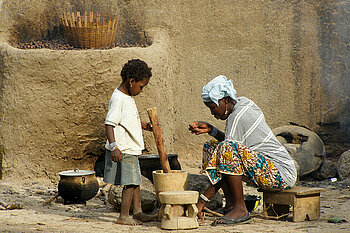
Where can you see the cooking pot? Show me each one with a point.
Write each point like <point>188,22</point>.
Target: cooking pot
<point>77,186</point>
<point>150,163</point>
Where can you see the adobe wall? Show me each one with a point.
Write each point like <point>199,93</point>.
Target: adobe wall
<point>53,103</point>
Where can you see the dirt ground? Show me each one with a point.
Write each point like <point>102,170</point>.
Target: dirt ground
<point>98,217</point>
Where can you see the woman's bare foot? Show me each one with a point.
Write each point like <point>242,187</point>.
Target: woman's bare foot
<point>145,217</point>
<point>236,213</point>
<point>128,221</point>
<point>224,210</point>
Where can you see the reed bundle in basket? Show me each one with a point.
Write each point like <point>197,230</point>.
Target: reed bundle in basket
<point>89,30</point>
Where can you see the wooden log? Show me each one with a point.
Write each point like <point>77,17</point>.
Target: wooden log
<point>213,212</point>
<point>157,132</point>
<point>51,199</point>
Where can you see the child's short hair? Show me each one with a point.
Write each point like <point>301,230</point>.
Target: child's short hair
<point>136,69</point>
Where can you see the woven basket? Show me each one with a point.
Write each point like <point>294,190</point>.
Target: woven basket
<point>89,30</point>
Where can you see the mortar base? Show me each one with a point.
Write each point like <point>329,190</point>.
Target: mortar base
<point>179,223</point>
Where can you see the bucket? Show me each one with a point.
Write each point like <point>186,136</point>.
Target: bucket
<point>174,180</point>
<point>251,202</point>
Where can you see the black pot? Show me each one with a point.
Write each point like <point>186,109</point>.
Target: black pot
<point>150,163</point>
<point>77,186</point>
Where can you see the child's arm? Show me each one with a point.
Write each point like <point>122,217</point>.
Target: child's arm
<point>116,154</point>
<point>146,126</point>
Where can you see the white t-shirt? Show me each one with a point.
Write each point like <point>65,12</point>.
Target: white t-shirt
<point>247,125</point>
<point>123,115</point>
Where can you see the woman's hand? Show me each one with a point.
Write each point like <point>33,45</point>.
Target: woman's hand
<point>200,127</point>
<point>116,155</point>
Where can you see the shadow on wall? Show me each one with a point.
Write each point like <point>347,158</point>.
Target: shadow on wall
<point>1,96</point>
<point>36,20</point>
<point>334,50</point>
<point>1,157</point>
<point>131,25</point>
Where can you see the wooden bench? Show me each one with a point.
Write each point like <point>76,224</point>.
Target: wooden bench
<point>303,202</point>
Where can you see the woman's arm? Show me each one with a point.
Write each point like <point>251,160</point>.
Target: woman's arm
<point>219,135</point>
<point>200,127</point>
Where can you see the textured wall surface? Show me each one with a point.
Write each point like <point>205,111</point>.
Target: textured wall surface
<point>290,57</point>
<point>53,104</point>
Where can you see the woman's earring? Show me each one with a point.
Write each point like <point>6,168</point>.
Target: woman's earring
<point>226,110</point>
<point>130,84</point>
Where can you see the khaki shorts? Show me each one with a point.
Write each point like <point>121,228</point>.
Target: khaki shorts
<point>126,172</point>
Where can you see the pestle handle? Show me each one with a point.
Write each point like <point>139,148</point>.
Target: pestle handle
<point>157,132</point>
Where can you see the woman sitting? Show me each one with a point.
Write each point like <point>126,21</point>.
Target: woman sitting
<point>247,150</point>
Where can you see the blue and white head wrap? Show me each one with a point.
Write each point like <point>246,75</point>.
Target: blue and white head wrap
<point>217,89</point>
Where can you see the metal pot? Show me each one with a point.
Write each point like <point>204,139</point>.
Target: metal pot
<point>77,186</point>
<point>150,163</point>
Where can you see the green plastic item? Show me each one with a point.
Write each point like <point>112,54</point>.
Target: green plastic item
<point>337,219</point>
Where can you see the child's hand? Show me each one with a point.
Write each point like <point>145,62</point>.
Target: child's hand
<point>199,127</point>
<point>147,126</point>
<point>116,155</point>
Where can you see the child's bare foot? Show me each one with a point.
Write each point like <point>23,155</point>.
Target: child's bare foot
<point>128,221</point>
<point>145,217</point>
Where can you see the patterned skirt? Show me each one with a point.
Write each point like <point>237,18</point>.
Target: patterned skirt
<point>233,158</point>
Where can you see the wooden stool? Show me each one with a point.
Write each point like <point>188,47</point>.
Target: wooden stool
<point>171,218</point>
<point>305,203</point>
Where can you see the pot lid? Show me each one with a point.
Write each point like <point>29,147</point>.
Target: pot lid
<point>76,172</point>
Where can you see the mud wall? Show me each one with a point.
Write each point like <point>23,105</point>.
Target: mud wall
<point>53,104</point>
<point>276,52</point>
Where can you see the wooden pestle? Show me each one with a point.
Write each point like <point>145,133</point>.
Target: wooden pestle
<point>157,132</point>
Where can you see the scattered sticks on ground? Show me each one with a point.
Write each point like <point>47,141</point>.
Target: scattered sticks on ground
<point>6,206</point>
<point>51,199</point>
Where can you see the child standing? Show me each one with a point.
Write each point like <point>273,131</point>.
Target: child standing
<point>125,141</point>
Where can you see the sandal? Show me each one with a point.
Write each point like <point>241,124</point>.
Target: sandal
<point>229,221</point>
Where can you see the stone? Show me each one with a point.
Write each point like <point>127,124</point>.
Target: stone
<point>148,197</point>
<point>327,170</point>
<point>343,166</point>
<point>200,183</point>
<point>308,149</point>
<point>292,148</point>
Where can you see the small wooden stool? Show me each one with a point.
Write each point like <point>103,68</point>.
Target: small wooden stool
<point>171,218</point>
<point>305,203</point>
